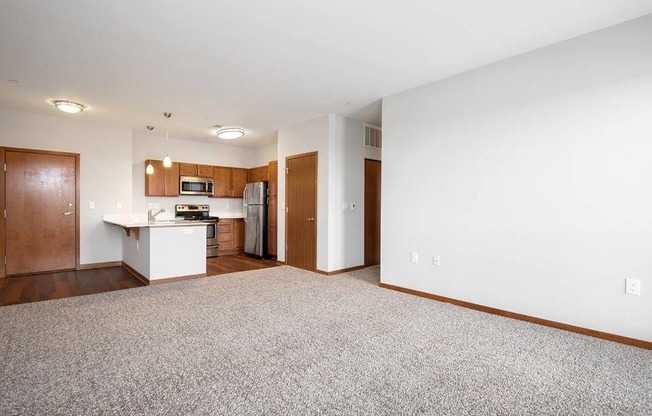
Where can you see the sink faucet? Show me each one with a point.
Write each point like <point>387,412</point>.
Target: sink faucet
<point>152,213</point>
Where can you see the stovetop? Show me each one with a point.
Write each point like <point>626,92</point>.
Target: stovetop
<point>194,213</point>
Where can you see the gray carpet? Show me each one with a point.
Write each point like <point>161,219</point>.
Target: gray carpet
<point>288,342</point>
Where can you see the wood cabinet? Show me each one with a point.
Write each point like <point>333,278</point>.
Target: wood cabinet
<point>231,236</point>
<point>258,174</point>
<point>272,208</point>
<point>191,169</point>
<point>238,234</point>
<point>225,235</point>
<point>239,181</point>
<point>229,182</point>
<point>164,181</point>
<point>272,178</point>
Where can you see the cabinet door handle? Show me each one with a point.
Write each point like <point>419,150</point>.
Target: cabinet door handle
<point>310,219</point>
<point>68,213</point>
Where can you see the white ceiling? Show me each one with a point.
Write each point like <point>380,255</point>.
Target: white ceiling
<point>263,65</point>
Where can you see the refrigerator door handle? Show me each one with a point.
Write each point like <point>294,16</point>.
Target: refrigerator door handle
<point>244,204</point>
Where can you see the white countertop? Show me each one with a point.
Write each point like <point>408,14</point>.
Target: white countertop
<point>140,221</point>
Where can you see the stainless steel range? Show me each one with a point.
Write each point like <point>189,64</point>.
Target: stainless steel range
<point>201,213</point>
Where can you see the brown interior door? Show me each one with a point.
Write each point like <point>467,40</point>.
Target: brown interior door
<point>301,217</point>
<point>41,217</point>
<point>371,212</point>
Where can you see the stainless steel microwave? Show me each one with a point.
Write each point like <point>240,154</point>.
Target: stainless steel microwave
<point>193,185</point>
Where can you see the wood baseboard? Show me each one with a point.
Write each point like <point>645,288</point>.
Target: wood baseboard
<point>160,281</point>
<point>566,327</point>
<point>89,266</point>
<point>349,269</point>
<point>135,273</point>
<point>176,279</point>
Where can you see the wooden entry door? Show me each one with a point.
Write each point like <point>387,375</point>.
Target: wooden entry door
<point>301,214</point>
<point>371,212</point>
<point>41,225</point>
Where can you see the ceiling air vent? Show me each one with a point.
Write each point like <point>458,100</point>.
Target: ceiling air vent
<point>373,136</point>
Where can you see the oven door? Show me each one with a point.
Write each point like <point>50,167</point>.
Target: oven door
<point>212,245</point>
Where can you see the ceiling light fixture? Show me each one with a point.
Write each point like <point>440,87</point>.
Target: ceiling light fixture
<point>167,162</point>
<point>150,169</point>
<point>230,133</point>
<point>69,106</point>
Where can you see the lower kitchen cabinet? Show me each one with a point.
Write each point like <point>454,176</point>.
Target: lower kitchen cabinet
<point>231,236</point>
<point>238,234</point>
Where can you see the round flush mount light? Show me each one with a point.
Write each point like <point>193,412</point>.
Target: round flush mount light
<point>230,133</point>
<point>69,106</point>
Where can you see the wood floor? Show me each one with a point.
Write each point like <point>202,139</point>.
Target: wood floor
<point>37,287</point>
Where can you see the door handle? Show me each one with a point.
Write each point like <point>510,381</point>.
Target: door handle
<point>310,219</point>
<point>68,213</point>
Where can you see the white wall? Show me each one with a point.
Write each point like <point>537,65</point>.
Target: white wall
<point>147,146</point>
<point>263,155</point>
<point>531,178</point>
<point>105,157</point>
<point>346,187</point>
<point>341,153</point>
<point>309,136</point>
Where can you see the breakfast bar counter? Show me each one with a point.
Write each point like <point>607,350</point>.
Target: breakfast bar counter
<point>159,251</point>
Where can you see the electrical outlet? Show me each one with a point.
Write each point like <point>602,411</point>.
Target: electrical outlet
<point>436,261</point>
<point>633,287</point>
<point>414,257</point>
<point>118,205</point>
<point>91,205</point>
<point>150,205</point>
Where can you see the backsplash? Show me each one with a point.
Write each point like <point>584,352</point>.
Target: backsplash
<point>218,205</point>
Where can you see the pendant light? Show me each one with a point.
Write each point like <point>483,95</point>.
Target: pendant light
<point>167,162</point>
<point>150,169</point>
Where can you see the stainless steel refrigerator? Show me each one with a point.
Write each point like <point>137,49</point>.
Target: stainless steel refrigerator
<point>255,218</point>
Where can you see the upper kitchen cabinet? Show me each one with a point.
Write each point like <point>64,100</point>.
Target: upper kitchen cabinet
<point>164,181</point>
<point>258,174</point>
<point>239,182</point>
<point>272,178</point>
<point>191,169</point>
<point>229,182</point>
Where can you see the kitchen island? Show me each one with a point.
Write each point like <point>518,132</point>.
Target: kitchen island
<point>160,251</point>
